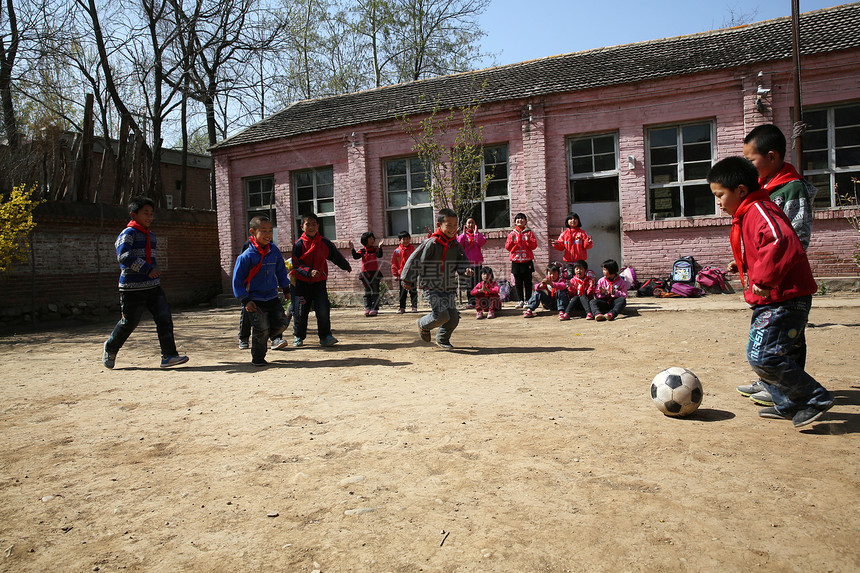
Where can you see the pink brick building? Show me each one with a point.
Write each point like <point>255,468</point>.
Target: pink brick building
<point>623,136</point>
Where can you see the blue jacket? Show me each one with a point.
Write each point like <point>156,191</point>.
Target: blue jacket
<point>264,285</point>
<point>131,254</point>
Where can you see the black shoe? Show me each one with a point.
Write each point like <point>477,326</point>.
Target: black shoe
<point>444,345</point>
<point>424,334</point>
<point>771,414</point>
<point>260,362</point>
<point>806,416</point>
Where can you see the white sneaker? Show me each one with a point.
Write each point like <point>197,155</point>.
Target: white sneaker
<point>520,304</point>
<point>279,343</point>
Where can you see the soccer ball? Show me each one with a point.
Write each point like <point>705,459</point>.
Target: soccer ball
<point>676,391</point>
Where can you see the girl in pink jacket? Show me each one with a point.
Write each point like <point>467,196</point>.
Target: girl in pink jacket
<point>574,242</point>
<point>472,241</point>
<point>521,244</point>
<point>486,295</point>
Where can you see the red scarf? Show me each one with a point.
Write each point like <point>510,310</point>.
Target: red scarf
<point>314,243</point>
<point>263,252</point>
<point>785,175</point>
<point>443,240</point>
<point>735,236</point>
<point>470,237</point>
<point>138,227</point>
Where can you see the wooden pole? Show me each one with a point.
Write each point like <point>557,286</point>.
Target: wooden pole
<point>796,131</point>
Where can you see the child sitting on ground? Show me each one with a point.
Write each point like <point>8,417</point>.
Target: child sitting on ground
<point>370,275</point>
<point>257,275</point>
<point>398,260</point>
<point>551,292</point>
<point>580,290</point>
<point>486,294</point>
<point>610,298</point>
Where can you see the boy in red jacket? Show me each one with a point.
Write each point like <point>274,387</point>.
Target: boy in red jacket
<point>778,286</point>
<point>398,261</point>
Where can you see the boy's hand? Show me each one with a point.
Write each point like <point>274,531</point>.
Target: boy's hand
<point>732,267</point>
<point>315,273</point>
<point>406,285</point>
<point>553,242</point>
<point>351,245</point>
<point>379,244</point>
<point>251,307</point>
<point>761,291</point>
<point>154,274</point>
<point>469,272</point>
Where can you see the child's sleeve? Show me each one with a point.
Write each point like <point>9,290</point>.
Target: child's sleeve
<point>336,257</point>
<point>620,288</point>
<point>124,245</point>
<point>510,243</point>
<point>298,266</point>
<point>477,289</point>
<point>414,264</point>
<point>531,241</point>
<point>240,273</point>
<point>494,288</point>
<point>281,272</point>
<point>395,263</point>
<point>778,249</point>
<point>480,239</point>
<point>355,254</point>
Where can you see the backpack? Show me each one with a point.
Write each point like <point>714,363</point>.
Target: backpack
<point>629,275</point>
<point>647,288</point>
<point>684,271</point>
<point>686,290</point>
<point>504,290</point>
<point>712,277</point>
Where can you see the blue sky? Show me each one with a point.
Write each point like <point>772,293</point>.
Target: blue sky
<point>527,29</point>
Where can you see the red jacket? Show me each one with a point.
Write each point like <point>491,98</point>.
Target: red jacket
<point>574,242</point>
<point>521,245</point>
<point>369,259</point>
<point>773,256</point>
<point>582,286</point>
<point>490,289</point>
<point>398,259</point>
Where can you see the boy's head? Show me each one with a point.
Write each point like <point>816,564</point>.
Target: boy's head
<point>573,221</point>
<point>765,147</point>
<point>446,221</point>
<point>141,210</point>
<point>260,227</point>
<point>610,268</point>
<point>487,274</point>
<point>553,272</point>
<point>520,220</point>
<point>366,237</point>
<point>580,267</point>
<point>405,238</point>
<point>310,224</point>
<point>732,179</point>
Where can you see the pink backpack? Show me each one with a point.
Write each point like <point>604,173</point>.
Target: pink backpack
<point>712,277</point>
<point>686,290</point>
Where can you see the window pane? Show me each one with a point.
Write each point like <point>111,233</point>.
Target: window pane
<point>817,119</point>
<point>497,154</point>
<point>304,179</point>
<point>579,147</point>
<point>698,200</point>
<point>304,193</point>
<point>420,197</point>
<point>663,137</point>
<point>693,171</point>
<point>848,157</point>
<point>697,152</point>
<point>325,191</point>
<point>418,180</point>
<point>696,133</point>
<point>848,189</point>
<point>664,156</point>
<point>497,188</point>
<point>421,218</point>
<point>324,177</point>
<point>665,203</point>
<point>846,115</point>
<point>327,228</point>
<point>305,207</point>
<point>822,198</point>
<point>325,206</point>
<point>498,171</point>
<point>398,199</point>
<point>582,164</point>
<point>815,159</point>
<point>595,190</point>
<point>498,214</point>
<point>254,200</point>
<point>605,144</point>
<point>395,167</point>
<point>397,221</point>
<point>664,174</point>
<point>397,183</point>
<point>814,140</point>
<point>604,162</point>
<point>846,136</point>
<point>270,213</point>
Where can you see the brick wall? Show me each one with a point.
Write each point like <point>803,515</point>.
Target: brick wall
<point>75,260</point>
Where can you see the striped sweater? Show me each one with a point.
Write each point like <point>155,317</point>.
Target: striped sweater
<point>131,254</point>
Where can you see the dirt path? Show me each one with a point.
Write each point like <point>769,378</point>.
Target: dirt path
<point>533,447</point>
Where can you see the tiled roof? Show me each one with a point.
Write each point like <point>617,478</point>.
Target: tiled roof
<point>826,30</point>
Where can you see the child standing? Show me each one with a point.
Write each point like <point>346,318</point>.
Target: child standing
<point>140,286</point>
<point>398,260</point>
<point>435,263</point>
<point>370,275</point>
<point>551,292</point>
<point>574,242</point>
<point>278,343</point>
<point>580,290</point>
<point>472,241</point>
<point>486,294</point>
<point>610,297</point>
<point>310,255</point>
<point>257,275</point>
<point>778,286</point>
<point>521,244</point>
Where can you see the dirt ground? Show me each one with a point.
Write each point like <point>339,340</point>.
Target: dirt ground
<point>532,447</point>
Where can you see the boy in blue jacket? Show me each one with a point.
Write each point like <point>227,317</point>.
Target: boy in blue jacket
<point>258,273</point>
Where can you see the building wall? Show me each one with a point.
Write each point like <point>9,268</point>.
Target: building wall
<point>536,132</point>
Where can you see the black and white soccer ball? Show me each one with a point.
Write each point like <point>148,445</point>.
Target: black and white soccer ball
<point>676,391</point>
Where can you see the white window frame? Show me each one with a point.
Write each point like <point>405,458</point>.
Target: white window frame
<point>588,175</point>
<point>680,181</point>
<point>328,230</point>
<point>410,207</point>
<point>815,176</point>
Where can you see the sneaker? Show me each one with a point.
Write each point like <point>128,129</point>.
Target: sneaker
<point>561,315</point>
<point>479,314</point>
<point>414,309</point>
<point>244,345</point>
<point>491,314</point>
<point>599,317</point>
<point>589,316</point>
<point>373,312</point>
<point>527,313</point>
<point>771,414</point>
<point>806,416</point>
<point>279,343</point>
<point>108,358</point>
<point>298,341</point>
<point>328,341</point>
<point>748,390</point>
<point>173,361</point>
<point>609,316</point>
<point>401,310</point>
<point>260,362</point>
<point>366,312</point>
<point>762,398</point>
<point>520,304</point>
<point>424,334</point>
<point>444,345</point>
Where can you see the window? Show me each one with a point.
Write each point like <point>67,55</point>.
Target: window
<point>494,212</point>
<point>260,200</point>
<point>831,153</point>
<point>679,158</point>
<point>407,202</point>
<point>592,165</point>
<point>314,193</point>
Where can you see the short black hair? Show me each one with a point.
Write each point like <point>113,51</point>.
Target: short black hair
<point>573,215</point>
<point>611,265</point>
<point>444,214</point>
<point>520,216</point>
<point>732,172</point>
<point>365,236</point>
<point>767,137</point>
<point>404,235</point>
<point>553,267</point>
<point>581,264</point>
<point>489,271</point>
<point>257,221</point>
<point>310,216</point>
<point>136,203</point>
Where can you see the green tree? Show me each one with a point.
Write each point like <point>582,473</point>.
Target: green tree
<point>16,222</point>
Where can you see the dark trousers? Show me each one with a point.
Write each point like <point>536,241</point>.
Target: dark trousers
<point>613,305</point>
<point>309,295</point>
<point>413,295</point>
<point>371,281</point>
<point>245,324</point>
<point>269,321</point>
<point>523,283</point>
<point>133,303</point>
<point>581,303</point>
